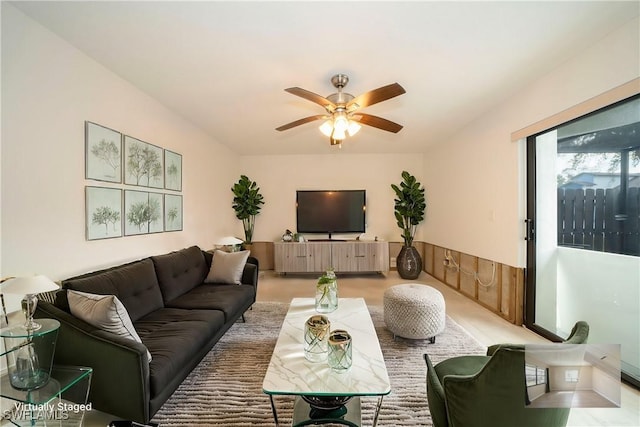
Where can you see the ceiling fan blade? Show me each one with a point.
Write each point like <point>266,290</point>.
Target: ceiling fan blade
<point>378,122</point>
<point>301,122</point>
<point>374,96</point>
<point>313,97</point>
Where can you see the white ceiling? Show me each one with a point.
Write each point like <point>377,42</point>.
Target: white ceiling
<point>224,65</point>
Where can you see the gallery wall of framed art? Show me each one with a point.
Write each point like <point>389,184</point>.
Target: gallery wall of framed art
<point>137,188</point>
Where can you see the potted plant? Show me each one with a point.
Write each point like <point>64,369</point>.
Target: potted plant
<point>410,205</point>
<point>246,202</point>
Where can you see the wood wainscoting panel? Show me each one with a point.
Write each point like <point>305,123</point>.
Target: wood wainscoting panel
<point>468,283</point>
<point>507,303</point>
<point>427,260</point>
<point>452,275</point>
<point>394,250</point>
<point>488,295</point>
<point>505,293</point>
<point>519,299</point>
<point>438,263</point>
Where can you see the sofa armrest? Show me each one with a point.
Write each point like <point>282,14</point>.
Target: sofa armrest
<point>250,272</point>
<point>493,348</point>
<point>435,396</point>
<point>120,380</point>
<point>579,334</point>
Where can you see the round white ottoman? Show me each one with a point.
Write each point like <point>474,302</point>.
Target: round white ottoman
<point>414,311</point>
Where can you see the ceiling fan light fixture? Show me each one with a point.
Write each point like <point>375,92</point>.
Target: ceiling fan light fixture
<point>326,128</point>
<point>353,128</point>
<point>340,123</point>
<point>338,134</point>
<point>340,119</point>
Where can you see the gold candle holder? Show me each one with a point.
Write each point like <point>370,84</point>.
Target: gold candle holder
<point>316,337</point>
<point>340,353</point>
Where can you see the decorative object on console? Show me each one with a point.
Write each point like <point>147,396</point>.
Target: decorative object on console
<point>30,287</point>
<point>410,205</point>
<point>287,236</point>
<point>327,292</point>
<point>247,202</point>
<point>316,338</point>
<point>342,117</point>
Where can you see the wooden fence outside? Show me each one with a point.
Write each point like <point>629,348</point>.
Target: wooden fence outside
<point>599,220</point>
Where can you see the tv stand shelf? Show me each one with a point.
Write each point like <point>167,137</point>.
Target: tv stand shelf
<point>343,256</point>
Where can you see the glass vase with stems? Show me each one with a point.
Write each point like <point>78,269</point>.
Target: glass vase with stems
<point>327,292</point>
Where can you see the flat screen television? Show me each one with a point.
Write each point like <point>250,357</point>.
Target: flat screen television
<point>327,212</point>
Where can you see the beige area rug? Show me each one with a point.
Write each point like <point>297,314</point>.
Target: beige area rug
<point>226,388</point>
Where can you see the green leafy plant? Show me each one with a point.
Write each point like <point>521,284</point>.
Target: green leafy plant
<point>410,205</point>
<point>247,202</point>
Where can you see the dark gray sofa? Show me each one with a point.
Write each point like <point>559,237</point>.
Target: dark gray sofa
<point>177,316</point>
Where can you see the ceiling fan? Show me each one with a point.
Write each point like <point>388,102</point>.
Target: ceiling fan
<point>342,116</point>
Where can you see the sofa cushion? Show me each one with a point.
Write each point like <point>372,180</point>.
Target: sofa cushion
<point>180,271</point>
<point>135,284</point>
<point>105,312</point>
<point>232,300</point>
<point>227,267</point>
<point>174,336</point>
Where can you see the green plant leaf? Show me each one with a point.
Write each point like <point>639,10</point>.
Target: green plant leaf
<point>247,202</point>
<point>409,206</point>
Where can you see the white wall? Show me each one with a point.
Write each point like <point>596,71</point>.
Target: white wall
<point>547,232</point>
<point>607,386</point>
<point>280,176</point>
<point>593,285</point>
<point>48,90</point>
<point>557,378</point>
<point>474,179</point>
<point>535,391</point>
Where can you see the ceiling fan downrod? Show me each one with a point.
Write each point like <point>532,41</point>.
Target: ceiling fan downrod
<point>339,81</point>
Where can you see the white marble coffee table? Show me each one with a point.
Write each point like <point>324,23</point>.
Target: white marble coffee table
<point>289,373</point>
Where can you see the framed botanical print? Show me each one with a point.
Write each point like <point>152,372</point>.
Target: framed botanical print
<point>103,153</point>
<point>143,163</point>
<point>172,212</point>
<point>103,212</point>
<point>172,171</point>
<point>143,212</point>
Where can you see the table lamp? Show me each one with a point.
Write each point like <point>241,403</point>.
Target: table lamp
<point>29,286</point>
<point>231,242</point>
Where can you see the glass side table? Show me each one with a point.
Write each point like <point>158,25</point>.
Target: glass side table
<point>29,353</point>
<point>61,401</point>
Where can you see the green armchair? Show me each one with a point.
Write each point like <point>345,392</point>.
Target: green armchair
<point>490,391</point>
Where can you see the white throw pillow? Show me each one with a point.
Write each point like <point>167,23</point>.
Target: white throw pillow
<point>227,267</point>
<point>105,312</point>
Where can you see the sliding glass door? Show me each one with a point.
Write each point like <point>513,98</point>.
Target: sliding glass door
<point>583,259</point>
